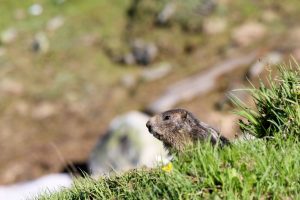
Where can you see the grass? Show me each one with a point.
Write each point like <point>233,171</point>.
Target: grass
<point>255,169</point>
<point>277,106</point>
<point>249,170</point>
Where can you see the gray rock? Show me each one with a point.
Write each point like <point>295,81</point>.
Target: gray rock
<point>272,58</point>
<point>35,9</point>
<point>128,59</point>
<point>9,35</point>
<point>31,189</point>
<point>157,72</point>
<point>166,14</point>
<point>126,145</point>
<point>144,53</point>
<point>55,23</point>
<point>206,7</point>
<point>128,81</point>
<point>40,43</point>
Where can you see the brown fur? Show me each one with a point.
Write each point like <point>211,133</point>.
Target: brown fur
<point>178,128</point>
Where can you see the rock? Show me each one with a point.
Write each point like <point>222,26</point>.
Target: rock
<point>198,84</point>
<point>43,111</point>
<point>35,9</point>
<point>126,145</point>
<point>9,35</point>
<point>166,14</point>
<point>128,81</point>
<point>11,87</point>
<point>212,26</point>
<point>157,72</point>
<point>273,58</point>
<point>31,189</point>
<point>128,59</point>
<point>40,43</point>
<point>206,7</point>
<point>144,53</point>
<point>248,33</point>
<point>55,23</point>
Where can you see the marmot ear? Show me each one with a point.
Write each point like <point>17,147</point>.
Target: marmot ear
<point>184,115</point>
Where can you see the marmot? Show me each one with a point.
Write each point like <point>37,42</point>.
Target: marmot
<point>177,128</point>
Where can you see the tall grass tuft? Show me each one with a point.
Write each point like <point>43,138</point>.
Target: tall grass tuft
<point>277,109</point>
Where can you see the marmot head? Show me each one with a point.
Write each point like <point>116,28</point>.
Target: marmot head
<point>172,127</point>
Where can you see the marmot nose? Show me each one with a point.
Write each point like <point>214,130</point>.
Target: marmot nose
<point>149,126</point>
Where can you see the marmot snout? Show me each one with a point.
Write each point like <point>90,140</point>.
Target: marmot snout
<point>177,128</point>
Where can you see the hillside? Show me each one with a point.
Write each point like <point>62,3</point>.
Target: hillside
<point>263,168</point>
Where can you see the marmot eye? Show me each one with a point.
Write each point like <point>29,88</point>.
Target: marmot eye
<point>167,117</point>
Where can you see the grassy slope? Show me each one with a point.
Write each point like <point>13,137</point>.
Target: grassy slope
<point>245,170</point>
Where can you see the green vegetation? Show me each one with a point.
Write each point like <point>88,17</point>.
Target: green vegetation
<point>256,169</point>
<point>248,170</point>
<point>277,106</point>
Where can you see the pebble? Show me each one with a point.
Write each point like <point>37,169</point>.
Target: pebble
<point>248,33</point>
<point>11,87</point>
<point>55,23</point>
<point>166,14</point>
<point>272,58</point>
<point>212,26</point>
<point>40,43</point>
<point>35,9</point>
<point>144,53</point>
<point>43,111</point>
<point>157,72</point>
<point>9,35</point>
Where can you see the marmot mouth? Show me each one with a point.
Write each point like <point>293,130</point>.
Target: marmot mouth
<point>156,135</point>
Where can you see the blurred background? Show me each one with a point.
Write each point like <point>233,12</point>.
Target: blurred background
<point>68,67</point>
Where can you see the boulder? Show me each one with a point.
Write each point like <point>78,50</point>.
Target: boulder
<point>126,145</point>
